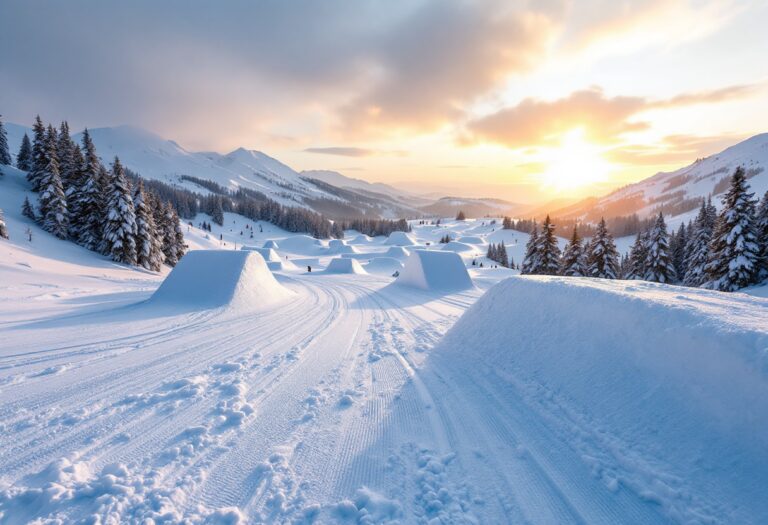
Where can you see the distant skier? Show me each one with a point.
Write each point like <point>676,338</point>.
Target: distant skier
<point>309,269</point>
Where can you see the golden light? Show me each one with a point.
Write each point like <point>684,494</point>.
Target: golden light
<point>575,164</point>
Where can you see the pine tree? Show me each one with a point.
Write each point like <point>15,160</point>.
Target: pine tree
<point>120,222</point>
<point>24,157</point>
<point>507,223</point>
<point>460,216</point>
<point>573,257</point>
<point>5,154</point>
<point>149,252</point>
<point>53,203</point>
<point>733,251</point>
<point>173,237</point>
<point>502,254</point>
<point>27,210</point>
<point>638,254</point>
<point>761,225</point>
<point>659,266</point>
<point>70,160</point>
<point>677,243</point>
<point>602,257</point>
<point>3,227</point>
<point>530,260</point>
<point>548,252</point>
<point>87,201</point>
<point>39,155</point>
<point>697,248</point>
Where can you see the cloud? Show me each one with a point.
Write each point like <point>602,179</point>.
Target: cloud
<point>602,119</point>
<point>357,152</point>
<point>671,150</point>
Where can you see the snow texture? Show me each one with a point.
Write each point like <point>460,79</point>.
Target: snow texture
<point>435,271</point>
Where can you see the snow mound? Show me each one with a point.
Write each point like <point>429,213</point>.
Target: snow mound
<point>269,254</point>
<point>271,244</point>
<point>661,390</point>
<point>361,239</point>
<point>472,239</point>
<point>281,265</point>
<point>398,252</point>
<point>303,244</point>
<point>345,265</point>
<point>458,247</point>
<point>206,279</point>
<point>339,246</point>
<point>384,265</point>
<point>435,271</point>
<point>400,239</point>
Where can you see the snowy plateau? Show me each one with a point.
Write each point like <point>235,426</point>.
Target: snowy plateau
<point>395,382</point>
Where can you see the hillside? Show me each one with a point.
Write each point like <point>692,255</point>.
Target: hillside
<point>679,192</point>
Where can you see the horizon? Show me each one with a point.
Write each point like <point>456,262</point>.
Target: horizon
<point>528,104</point>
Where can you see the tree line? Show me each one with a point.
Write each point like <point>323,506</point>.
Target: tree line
<point>79,199</point>
<point>724,251</point>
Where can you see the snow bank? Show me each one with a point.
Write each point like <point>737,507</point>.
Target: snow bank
<point>435,271</point>
<point>398,252</point>
<point>400,239</point>
<point>660,390</point>
<point>458,247</point>
<point>271,244</point>
<point>303,244</point>
<point>281,265</point>
<point>384,265</point>
<point>269,254</point>
<point>361,239</point>
<point>345,265</point>
<point>472,239</point>
<point>215,278</point>
<point>338,246</point>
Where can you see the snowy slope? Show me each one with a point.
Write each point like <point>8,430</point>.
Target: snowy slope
<point>675,189</point>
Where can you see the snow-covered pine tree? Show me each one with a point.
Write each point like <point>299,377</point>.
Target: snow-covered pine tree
<point>173,237</point>
<point>572,264</point>
<point>638,254</point>
<point>24,157</point>
<point>120,222</point>
<point>733,251</point>
<point>761,225</point>
<point>87,197</point>
<point>548,252</point>
<point>5,154</point>
<point>54,216</point>
<point>506,223</point>
<point>149,252</point>
<point>602,257</point>
<point>3,227</point>
<point>677,245</point>
<point>502,254</point>
<point>659,265</point>
<point>530,260</point>
<point>697,248</point>
<point>39,156</point>
<point>491,253</point>
<point>711,213</point>
<point>27,210</point>
<point>69,160</point>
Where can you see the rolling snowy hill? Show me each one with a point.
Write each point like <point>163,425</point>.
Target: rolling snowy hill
<point>679,192</point>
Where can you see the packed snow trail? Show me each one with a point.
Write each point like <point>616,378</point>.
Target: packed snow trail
<point>328,407</point>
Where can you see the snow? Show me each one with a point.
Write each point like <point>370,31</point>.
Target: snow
<point>661,391</point>
<point>271,244</point>
<point>400,239</point>
<point>397,252</point>
<point>435,271</point>
<point>339,246</point>
<point>472,239</point>
<point>303,244</point>
<point>384,265</point>
<point>361,239</point>
<point>345,265</point>
<point>459,247</point>
<point>268,254</point>
<point>206,279</point>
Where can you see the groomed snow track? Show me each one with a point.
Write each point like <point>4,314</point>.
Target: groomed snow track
<point>332,408</point>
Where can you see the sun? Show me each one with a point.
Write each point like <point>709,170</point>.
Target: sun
<point>574,164</point>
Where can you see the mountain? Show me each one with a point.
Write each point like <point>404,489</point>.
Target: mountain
<point>450,206</point>
<point>342,181</point>
<point>679,192</point>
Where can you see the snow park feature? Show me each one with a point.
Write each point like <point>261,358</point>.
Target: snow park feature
<point>361,239</point>
<point>398,252</point>
<point>400,239</point>
<point>384,266</point>
<point>206,279</point>
<point>435,271</point>
<point>281,266</point>
<point>472,239</point>
<point>338,246</point>
<point>303,244</point>
<point>270,244</point>
<point>341,265</point>
<point>459,247</point>
<point>660,392</point>
<point>269,254</point>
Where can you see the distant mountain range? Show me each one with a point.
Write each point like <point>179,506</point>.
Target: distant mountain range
<point>337,195</point>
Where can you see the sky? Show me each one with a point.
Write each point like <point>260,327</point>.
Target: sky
<point>524,100</point>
